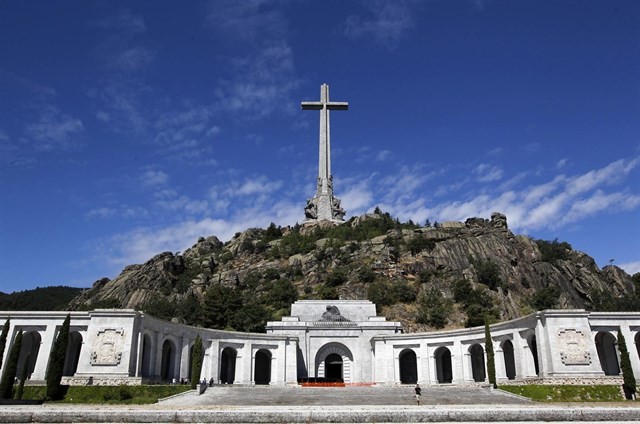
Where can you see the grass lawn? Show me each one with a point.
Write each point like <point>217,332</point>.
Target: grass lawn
<point>544,393</point>
<point>109,394</point>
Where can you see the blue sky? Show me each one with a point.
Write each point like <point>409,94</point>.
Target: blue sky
<point>132,128</point>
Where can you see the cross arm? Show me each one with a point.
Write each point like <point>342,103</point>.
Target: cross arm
<point>311,105</point>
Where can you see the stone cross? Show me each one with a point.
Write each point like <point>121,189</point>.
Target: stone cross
<point>324,206</point>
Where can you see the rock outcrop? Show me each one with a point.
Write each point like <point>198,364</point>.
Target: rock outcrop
<point>369,249</point>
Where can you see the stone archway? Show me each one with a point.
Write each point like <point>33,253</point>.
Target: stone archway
<point>73,353</point>
<point>476,354</point>
<point>334,358</point>
<point>607,353</point>
<point>30,348</point>
<point>167,369</point>
<point>228,365</point>
<point>262,367</point>
<point>637,340</point>
<point>444,373</point>
<point>509,359</point>
<point>408,367</point>
<point>147,348</point>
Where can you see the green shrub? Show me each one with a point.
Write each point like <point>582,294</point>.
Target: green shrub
<point>336,278</point>
<point>366,275</point>
<point>546,298</point>
<point>433,309</point>
<point>420,243</point>
<point>488,273</point>
<point>553,251</point>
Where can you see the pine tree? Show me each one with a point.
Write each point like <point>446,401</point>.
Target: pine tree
<point>56,361</point>
<point>196,362</point>
<point>9,373</point>
<point>629,381</point>
<point>3,339</point>
<point>491,364</point>
<point>23,377</point>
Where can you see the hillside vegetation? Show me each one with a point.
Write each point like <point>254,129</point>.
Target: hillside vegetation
<point>434,276</point>
<point>54,298</point>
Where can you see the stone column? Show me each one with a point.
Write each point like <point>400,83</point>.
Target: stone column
<point>501,368</point>
<point>424,367</point>
<point>47,338</point>
<point>457,366</point>
<point>157,356</point>
<point>542,346</point>
<point>518,355</point>
<point>184,358</point>
<point>140,353</point>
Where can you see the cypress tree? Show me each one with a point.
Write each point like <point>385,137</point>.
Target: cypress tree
<point>629,381</point>
<point>491,364</point>
<point>3,339</point>
<point>23,377</point>
<point>56,361</point>
<point>9,373</point>
<point>196,362</point>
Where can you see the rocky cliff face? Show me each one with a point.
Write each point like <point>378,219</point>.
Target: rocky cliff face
<point>399,266</point>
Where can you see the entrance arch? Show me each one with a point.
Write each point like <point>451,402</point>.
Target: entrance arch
<point>228,365</point>
<point>73,353</point>
<point>476,353</point>
<point>443,365</point>
<point>147,348</point>
<point>167,370</point>
<point>29,349</point>
<point>262,369</point>
<point>334,360</point>
<point>509,359</point>
<point>607,352</point>
<point>408,367</point>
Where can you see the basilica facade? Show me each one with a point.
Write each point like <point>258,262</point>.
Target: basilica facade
<point>341,340</point>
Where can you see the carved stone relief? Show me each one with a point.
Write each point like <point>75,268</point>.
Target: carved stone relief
<point>107,347</point>
<point>573,347</point>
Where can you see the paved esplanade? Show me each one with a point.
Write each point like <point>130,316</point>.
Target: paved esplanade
<point>255,404</point>
<point>324,206</point>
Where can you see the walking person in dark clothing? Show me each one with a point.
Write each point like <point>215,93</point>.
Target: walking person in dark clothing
<point>418,393</point>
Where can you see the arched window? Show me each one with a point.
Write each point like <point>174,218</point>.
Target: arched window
<point>509,359</point>
<point>228,365</point>
<point>443,365</point>
<point>262,372</point>
<point>607,352</point>
<point>408,367</point>
<point>477,363</point>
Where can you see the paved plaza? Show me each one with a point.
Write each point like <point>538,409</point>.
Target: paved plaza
<point>245,404</point>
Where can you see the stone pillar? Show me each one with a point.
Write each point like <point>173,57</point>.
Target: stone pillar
<point>47,338</point>
<point>290,361</point>
<point>157,356</point>
<point>519,355</point>
<point>214,358</point>
<point>466,366</point>
<point>424,368</point>
<point>501,368</point>
<point>457,366</point>
<point>542,347</point>
<point>184,358</point>
<point>140,352</point>
<point>243,365</point>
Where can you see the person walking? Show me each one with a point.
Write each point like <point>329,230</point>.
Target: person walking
<point>418,393</point>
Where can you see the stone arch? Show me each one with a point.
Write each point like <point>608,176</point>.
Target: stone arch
<point>408,367</point>
<point>607,353</point>
<point>509,359</point>
<point>476,355</point>
<point>30,348</point>
<point>533,348</point>
<point>444,372</point>
<point>637,341</point>
<point>73,353</point>
<point>147,349</point>
<point>168,361</point>
<point>228,365</point>
<point>340,354</point>
<point>262,367</point>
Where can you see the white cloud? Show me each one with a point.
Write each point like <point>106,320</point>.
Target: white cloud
<point>486,173</point>
<point>388,23</point>
<point>247,20</point>
<point>154,178</point>
<point>631,267</point>
<point>54,130</point>
<point>250,187</point>
<point>127,212</point>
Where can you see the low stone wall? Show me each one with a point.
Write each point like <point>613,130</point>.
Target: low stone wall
<point>102,381</point>
<point>572,381</point>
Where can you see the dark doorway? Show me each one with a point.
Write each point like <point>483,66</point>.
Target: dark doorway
<point>408,367</point>
<point>509,360</point>
<point>168,352</point>
<point>607,352</point>
<point>145,369</point>
<point>29,350</point>
<point>263,367</point>
<point>477,363</point>
<point>228,366</point>
<point>443,365</point>
<point>73,353</point>
<point>333,366</point>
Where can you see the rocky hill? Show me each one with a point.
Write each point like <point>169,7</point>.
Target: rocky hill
<point>442,276</point>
